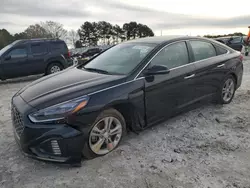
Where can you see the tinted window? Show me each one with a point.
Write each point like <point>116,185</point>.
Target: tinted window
<point>121,59</point>
<point>18,53</point>
<point>202,50</point>
<point>172,56</point>
<point>38,49</point>
<point>58,46</point>
<point>95,50</point>
<point>236,40</point>
<point>220,50</point>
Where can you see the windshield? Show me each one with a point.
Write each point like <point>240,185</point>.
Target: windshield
<point>5,49</point>
<point>120,59</point>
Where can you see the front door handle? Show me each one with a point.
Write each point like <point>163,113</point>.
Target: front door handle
<point>188,77</point>
<point>222,65</point>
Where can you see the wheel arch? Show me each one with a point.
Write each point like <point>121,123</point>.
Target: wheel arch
<point>51,62</point>
<point>129,112</point>
<point>234,76</point>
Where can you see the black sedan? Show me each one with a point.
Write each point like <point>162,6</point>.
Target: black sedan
<point>87,110</point>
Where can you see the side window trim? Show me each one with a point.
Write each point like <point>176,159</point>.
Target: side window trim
<point>147,64</point>
<point>190,53</point>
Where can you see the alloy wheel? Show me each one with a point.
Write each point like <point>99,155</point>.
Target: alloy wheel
<point>105,135</point>
<point>228,90</point>
<point>55,69</point>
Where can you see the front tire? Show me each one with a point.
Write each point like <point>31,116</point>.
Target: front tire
<point>227,90</point>
<point>105,134</point>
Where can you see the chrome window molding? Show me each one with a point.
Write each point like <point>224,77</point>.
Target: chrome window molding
<point>139,78</point>
<point>136,77</point>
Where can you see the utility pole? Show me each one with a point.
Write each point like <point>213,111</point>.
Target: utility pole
<point>161,32</point>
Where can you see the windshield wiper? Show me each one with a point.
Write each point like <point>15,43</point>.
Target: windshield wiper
<point>96,70</point>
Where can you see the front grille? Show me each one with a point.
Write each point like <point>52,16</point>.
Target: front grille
<point>17,121</point>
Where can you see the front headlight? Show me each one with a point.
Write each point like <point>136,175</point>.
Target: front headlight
<point>59,111</point>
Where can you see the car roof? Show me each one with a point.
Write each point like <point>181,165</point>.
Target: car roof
<point>38,40</point>
<point>162,39</point>
<point>228,37</point>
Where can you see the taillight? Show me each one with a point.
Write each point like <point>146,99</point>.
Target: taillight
<point>241,57</point>
<point>68,53</point>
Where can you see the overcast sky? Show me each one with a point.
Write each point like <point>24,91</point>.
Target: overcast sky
<point>192,17</point>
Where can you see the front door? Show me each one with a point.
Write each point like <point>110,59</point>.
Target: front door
<point>15,62</point>
<point>169,93</point>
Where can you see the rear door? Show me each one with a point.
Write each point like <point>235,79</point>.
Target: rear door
<point>15,62</point>
<point>209,67</point>
<point>166,94</point>
<point>36,59</point>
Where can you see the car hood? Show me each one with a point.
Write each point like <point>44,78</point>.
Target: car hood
<point>66,85</point>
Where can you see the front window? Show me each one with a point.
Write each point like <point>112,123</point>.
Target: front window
<point>172,56</point>
<point>5,49</point>
<point>120,59</point>
<point>18,53</point>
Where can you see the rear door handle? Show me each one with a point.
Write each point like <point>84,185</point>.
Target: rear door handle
<point>222,65</point>
<point>188,77</point>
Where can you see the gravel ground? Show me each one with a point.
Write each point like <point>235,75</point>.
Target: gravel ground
<point>206,147</point>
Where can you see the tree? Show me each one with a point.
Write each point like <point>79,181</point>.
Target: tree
<point>118,33</point>
<point>127,30</point>
<point>35,31</point>
<point>88,33</point>
<point>19,36</point>
<point>133,28</point>
<point>144,31</point>
<point>54,29</point>
<point>5,38</point>
<point>73,37</point>
<point>78,44</point>
<point>104,31</point>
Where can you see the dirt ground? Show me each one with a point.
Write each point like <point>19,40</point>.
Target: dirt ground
<point>205,148</point>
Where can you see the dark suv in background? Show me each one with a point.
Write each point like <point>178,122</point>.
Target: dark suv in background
<point>91,52</point>
<point>235,42</point>
<point>33,56</point>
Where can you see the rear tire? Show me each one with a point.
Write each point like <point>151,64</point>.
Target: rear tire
<point>109,140</point>
<point>227,90</point>
<point>54,68</point>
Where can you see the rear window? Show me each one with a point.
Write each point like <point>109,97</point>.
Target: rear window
<point>220,50</point>
<point>58,47</point>
<point>236,40</point>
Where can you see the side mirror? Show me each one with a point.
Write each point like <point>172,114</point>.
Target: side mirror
<point>7,58</point>
<point>156,69</point>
